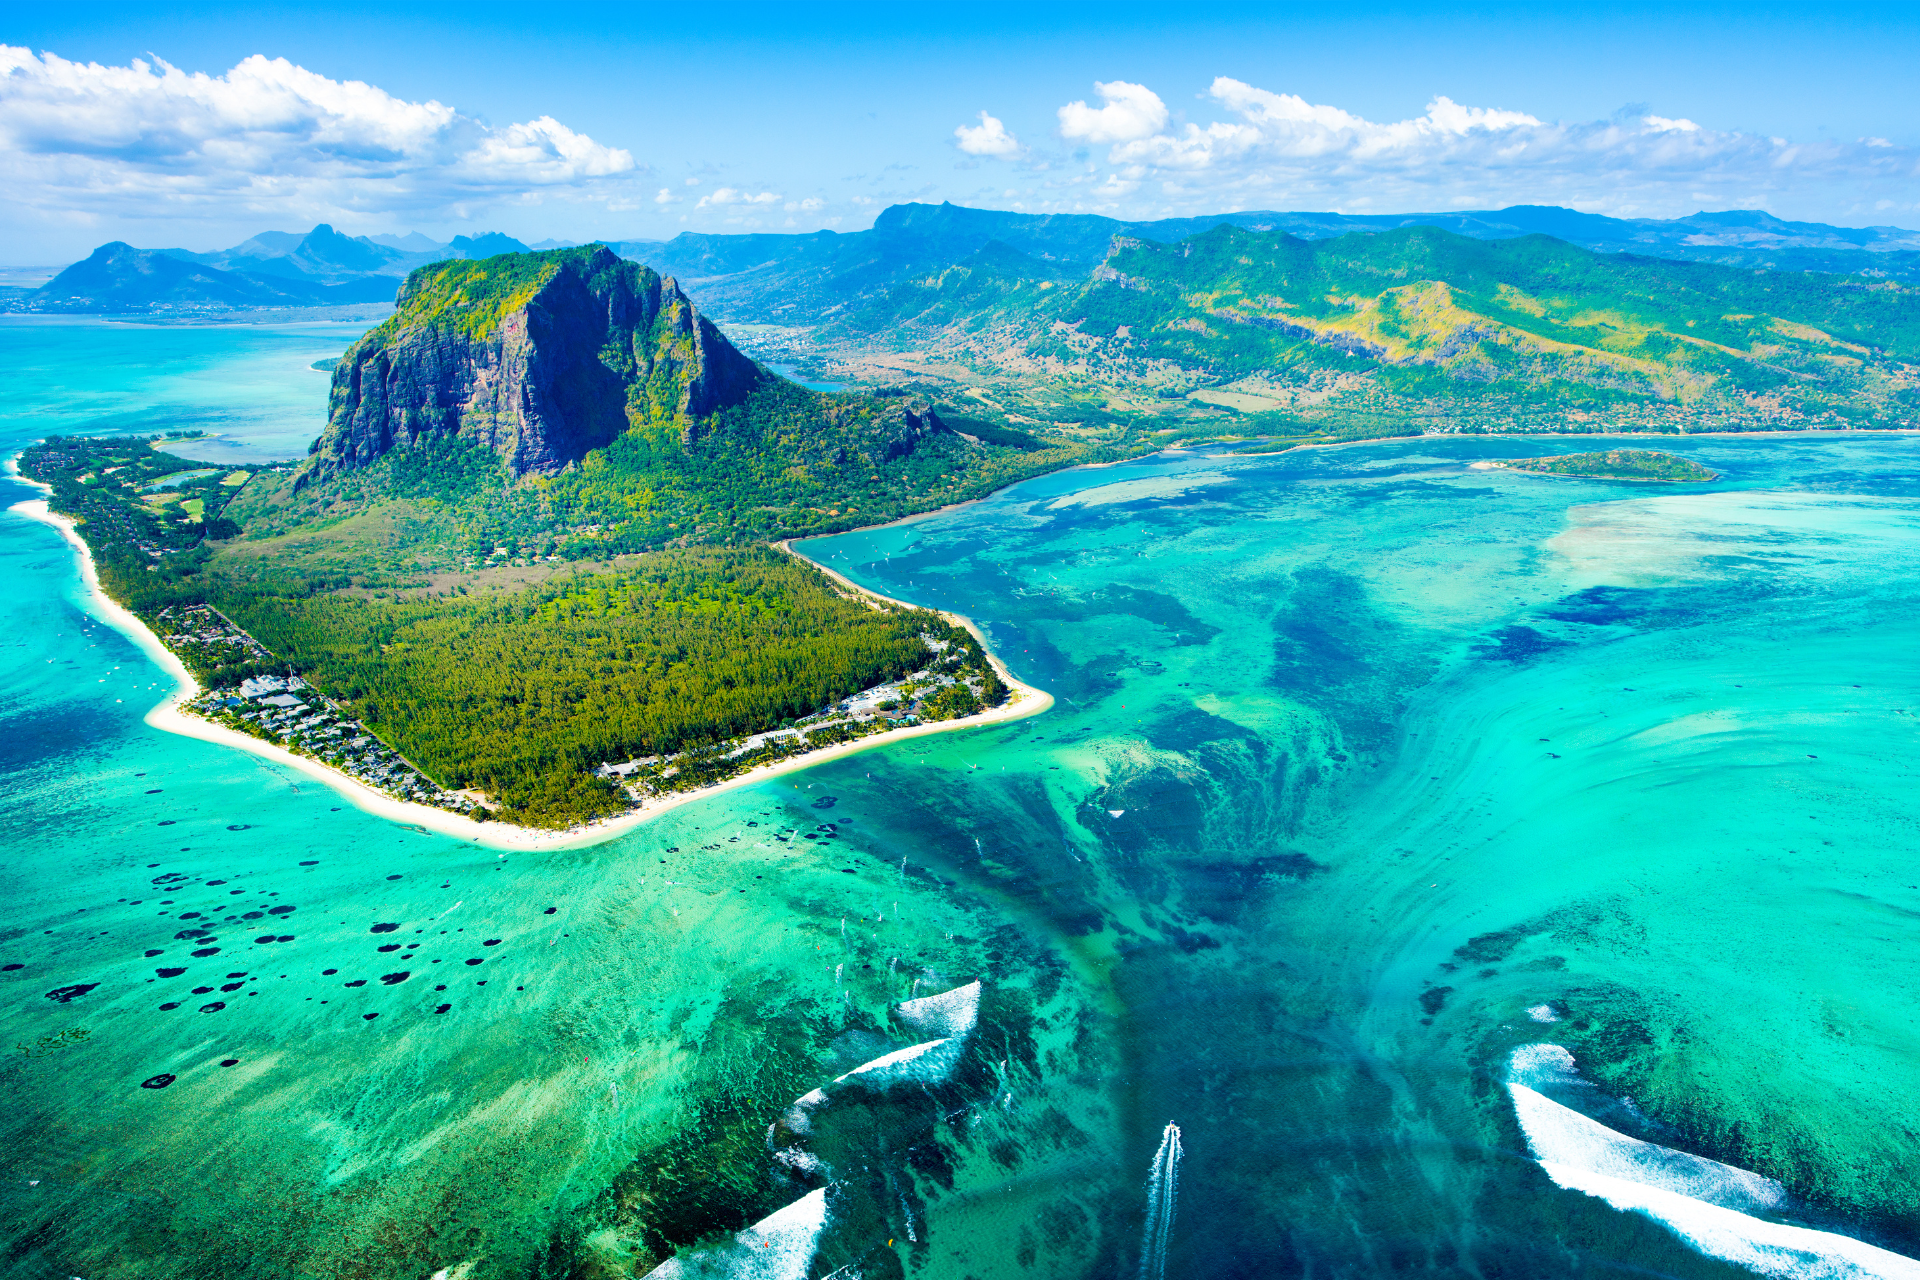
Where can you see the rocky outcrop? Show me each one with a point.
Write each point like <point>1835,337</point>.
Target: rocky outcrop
<point>851,436</point>
<point>539,357</point>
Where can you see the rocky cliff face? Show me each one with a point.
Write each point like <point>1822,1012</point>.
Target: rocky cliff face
<point>539,357</point>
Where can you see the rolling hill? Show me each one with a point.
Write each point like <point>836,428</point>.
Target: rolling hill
<point>1411,327</point>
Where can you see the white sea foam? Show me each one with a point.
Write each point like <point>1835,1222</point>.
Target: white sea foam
<point>927,1063</point>
<point>1562,1136</point>
<point>1543,1013</point>
<point>778,1247</point>
<point>1770,1248</point>
<point>1698,1199</point>
<point>802,1161</point>
<point>800,1114</point>
<point>951,1013</point>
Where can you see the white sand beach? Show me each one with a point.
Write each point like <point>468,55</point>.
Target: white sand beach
<point>1023,701</point>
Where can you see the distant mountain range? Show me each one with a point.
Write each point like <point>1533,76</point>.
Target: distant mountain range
<point>273,269</point>
<point>803,279</point>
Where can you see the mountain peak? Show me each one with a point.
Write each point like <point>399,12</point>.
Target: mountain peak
<point>540,357</point>
<point>485,245</point>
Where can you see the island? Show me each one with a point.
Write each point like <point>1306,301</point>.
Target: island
<point>534,569</point>
<point>1644,465</point>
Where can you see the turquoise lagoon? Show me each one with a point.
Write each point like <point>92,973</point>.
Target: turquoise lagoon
<point>1487,874</point>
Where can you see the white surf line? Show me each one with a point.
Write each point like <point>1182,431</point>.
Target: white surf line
<point>780,1246</point>
<point>1698,1199</point>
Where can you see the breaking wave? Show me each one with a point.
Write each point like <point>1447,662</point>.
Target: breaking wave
<point>1700,1200</point>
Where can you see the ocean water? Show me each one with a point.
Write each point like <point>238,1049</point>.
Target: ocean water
<point>1423,870</point>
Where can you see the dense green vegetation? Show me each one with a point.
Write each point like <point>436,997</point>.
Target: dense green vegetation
<point>1616,464</point>
<point>523,694</point>
<point>520,693</point>
<point>791,462</point>
<point>471,297</point>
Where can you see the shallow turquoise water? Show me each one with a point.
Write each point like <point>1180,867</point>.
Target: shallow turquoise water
<point>1359,757</point>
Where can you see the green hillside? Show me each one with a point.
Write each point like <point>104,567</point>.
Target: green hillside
<point>1419,327</point>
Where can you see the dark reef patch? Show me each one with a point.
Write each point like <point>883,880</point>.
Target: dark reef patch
<point>1517,644</point>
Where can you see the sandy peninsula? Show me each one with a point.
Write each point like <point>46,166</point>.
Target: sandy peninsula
<point>1023,700</point>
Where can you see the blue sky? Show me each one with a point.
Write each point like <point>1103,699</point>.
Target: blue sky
<point>640,120</point>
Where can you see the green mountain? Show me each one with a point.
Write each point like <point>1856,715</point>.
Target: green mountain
<point>540,358</point>
<point>1422,327</point>
<point>575,403</point>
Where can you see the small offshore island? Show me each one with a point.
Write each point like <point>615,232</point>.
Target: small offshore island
<point>1645,465</point>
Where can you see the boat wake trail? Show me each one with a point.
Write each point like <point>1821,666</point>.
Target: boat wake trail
<point>1163,1186</point>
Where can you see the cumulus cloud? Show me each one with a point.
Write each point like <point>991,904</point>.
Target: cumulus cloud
<point>1278,150</point>
<point>266,136</point>
<point>811,204</point>
<point>729,195</point>
<point>1131,111</point>
<point>988,138</point>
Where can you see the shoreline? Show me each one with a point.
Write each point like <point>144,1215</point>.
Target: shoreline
<point>166,716</point>
<point>1020,689</point>
<point>1577,435</point>
<point>1025,700</point>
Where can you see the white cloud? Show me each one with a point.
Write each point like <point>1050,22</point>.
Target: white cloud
<point>665,196</point>
<point>1279,151</point>
<point>1131,111</point>
<point>811,204</point>
<point>266,136</point>
<point>988,138</point>
<point>729,195</point>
